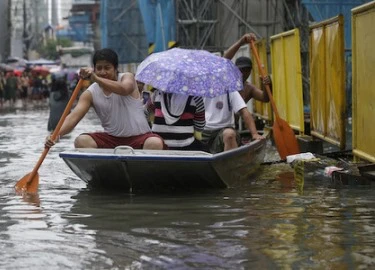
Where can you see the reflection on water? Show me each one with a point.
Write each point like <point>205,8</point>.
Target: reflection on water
<point>269,224</point>
<point>202,230</point>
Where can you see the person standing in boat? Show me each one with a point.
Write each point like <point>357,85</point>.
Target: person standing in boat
<point>178,119</point>
<point>118,104</point>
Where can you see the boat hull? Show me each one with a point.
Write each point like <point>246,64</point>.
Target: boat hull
<point>131,169</point>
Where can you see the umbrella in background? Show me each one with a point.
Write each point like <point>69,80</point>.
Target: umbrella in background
<point>40,70</point>
<point>190,72</point>
<point>18,72</point>
<point>41,61</point>
<point>72,73</point>
<point>55,69</point>
<point>16,61</point>
<point>6,68</point>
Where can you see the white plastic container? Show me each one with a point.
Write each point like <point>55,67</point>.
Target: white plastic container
<point>301,156</point>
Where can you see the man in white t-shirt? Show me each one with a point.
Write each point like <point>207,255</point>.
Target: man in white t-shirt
<point>219,133</point>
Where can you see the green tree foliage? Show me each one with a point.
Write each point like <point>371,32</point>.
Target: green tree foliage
<point>49,51</point>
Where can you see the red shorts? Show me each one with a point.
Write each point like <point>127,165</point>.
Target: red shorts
<point>104,140</point>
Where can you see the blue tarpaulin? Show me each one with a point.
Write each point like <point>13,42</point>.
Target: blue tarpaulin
<point>322,10</point>
<point>135,28</point>
<point>79,28</point>
<point>122,30</point>
<point>159,21</point>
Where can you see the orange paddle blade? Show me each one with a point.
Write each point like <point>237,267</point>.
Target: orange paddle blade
<point>285,139</point>
<point>28,185</point>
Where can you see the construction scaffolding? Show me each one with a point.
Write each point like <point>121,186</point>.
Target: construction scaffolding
<point>196,21</point>
<point>214,25</point>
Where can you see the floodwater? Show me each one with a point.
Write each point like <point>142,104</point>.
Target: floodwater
<point>268,224</point>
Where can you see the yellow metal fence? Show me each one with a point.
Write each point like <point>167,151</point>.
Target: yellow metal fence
<point>287,78</point>
<point>327,81</point>
<point>363,40</point>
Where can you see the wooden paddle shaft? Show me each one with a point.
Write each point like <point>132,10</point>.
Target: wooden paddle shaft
<point>67,110</point>
<point>57,129</point>
<point>263,74</point>
<point>285,139</point>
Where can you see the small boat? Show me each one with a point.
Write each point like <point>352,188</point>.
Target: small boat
<point>131,169</point>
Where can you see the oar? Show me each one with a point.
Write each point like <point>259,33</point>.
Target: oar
<point>285,140</point>
<point>29,183</point>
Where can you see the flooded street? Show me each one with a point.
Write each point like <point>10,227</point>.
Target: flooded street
<point>265,225</point>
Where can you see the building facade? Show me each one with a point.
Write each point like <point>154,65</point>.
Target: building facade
<point>4,30</point>
<point>24,24</point>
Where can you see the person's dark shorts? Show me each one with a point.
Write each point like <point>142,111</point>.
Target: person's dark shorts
<point>213,140</point>
<point>196,145</point>
<point>104,140</point>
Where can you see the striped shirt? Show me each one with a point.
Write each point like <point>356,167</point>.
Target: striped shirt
<point>181,132</point>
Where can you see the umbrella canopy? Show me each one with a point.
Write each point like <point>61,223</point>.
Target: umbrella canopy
<point>55,69</point>
<point>16,61</point>
<point>41,61</point>
<point>40,70</point>
<point>190,72</point>
<point>6,67</point>
<point>18,72</point>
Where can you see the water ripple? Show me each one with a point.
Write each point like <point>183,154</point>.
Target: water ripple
<point>268,224</point>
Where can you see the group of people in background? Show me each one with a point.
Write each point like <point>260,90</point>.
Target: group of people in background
<point>26,87</point>
<point>37,89</point>
<point>180,122</point>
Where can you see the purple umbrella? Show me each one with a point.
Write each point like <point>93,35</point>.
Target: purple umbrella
<point>190,72</point>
